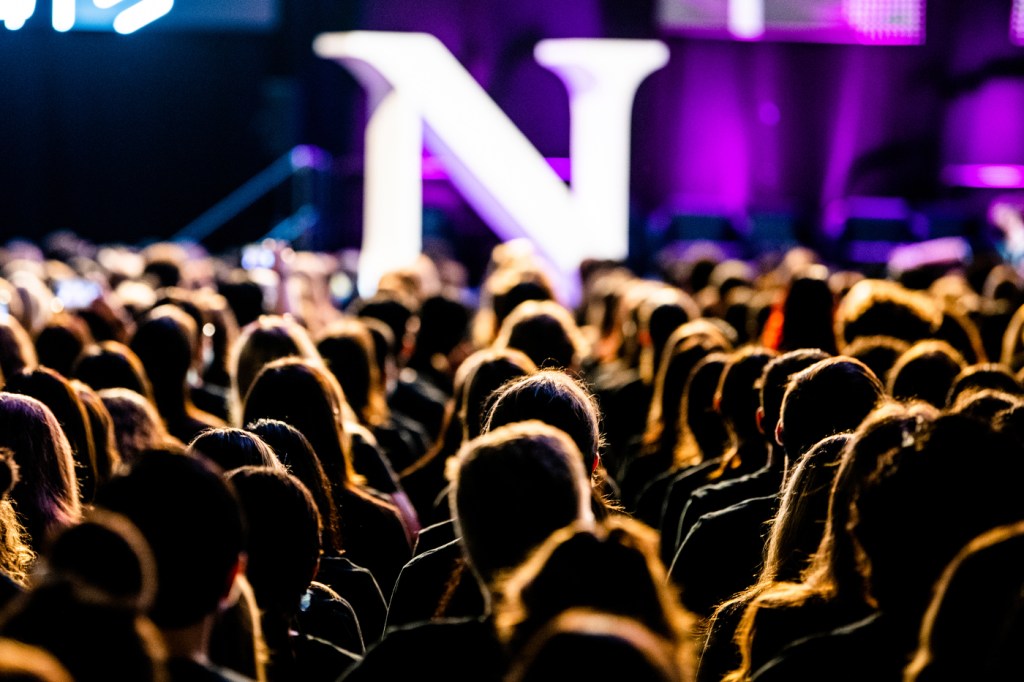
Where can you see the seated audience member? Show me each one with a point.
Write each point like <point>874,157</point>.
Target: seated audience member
<point>307,396</point>
<point>559,577</point>
<point>981,588</point>
<point>104,439</point>
<point>283,553</point>
<point>113,365</point>
<point>982,376</point>
<point>233,448</point>
<point>193,523</point>
<point>163,342</point>
<point>925,372</point>
<point>879,353</point>
<point>353,583</point>
<point>442,341</point>
<point>546,333</point>
<point>903,548</point>
<point>491,477</point>
<point>16,349</point>
<point>875,307</point>
<point>61,342</point>
<point>88,601</point>
<point>137,425</point>
<point>16,553</point>
<point>46,496</point>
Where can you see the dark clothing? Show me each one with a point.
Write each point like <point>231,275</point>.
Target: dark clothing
<point>187,670</point>
<point>451,650</point>
<point>8,590</point>
<point>369,460</point>
<point>651,501</point>
<point>325,615</point>
<point>723,554</point>
<point>419,401</point>
<point>310,660</point>
<point>869,649</point>
<point>436,584</point>
<point>356,585</point>
<point>720,654</point>
<point>644,464</point>
<point>373,535</point>
<point>434,536</point>
<point>624,400</point>
<point>680,488</point>
<point>402,440</point>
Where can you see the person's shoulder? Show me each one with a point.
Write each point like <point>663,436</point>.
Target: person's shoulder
<point>186,670</point>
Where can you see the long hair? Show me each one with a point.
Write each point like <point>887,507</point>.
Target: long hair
<point>47,496</point>
<point>347,349</point>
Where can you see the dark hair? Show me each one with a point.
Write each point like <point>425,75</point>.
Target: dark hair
<point>113,365</point>
<point>879,353</point>
<point>267,339</point>
<point>231,448</point>
<point>984,375</point>
<point>57,393</point>
<point>104,437</point>
<point>554,398</point>
<point>737,400</point>
<point>493,474</point>
<point>926,372</point>
<point>193,523</point>
<point>776,379</point>
<point>546,332</point>
<point>61,342</point>
<point>137,425</point>
<point>307,396</point>
<point>874,307</point>
<point>284,536</point>
<point>347,349</point>
<point>47,496</point>
<point>480,376</point>
<point>295,452</point>
<point>807,315</point>
<point>829,397</point>
<point>16,349</point>
<point>704,435</point>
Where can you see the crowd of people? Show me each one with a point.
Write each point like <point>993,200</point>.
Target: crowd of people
<point>729,471</point>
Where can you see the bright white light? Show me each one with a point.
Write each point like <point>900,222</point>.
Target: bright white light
<point>414,83</point>
<point>106,4</point>
<point>63,15</point>
<point>746,18</point>
<point>141,14</point>
<point>14,13</point>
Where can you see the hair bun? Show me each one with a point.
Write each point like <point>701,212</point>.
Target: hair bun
<point>8,472</point>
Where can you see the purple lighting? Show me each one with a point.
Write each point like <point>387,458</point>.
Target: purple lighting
<point>886,21</point>
<point>1001,176</point>
<point>1017,23</point>
<point>433,169</point>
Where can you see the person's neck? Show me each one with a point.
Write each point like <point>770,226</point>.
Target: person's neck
<point>190,642</point>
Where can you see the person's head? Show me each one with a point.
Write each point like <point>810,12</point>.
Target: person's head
<point>137,425</point>
<point>775,380</point>
<point>546,333</point>
<point>807,313</point>
<point>16,349</point>
<point>104,439</point>
<point>396,311</point>
<point>984,404</point>
<point>61,342</point>
<point>874,307</point>
<point>347,349</point>
<point>283,544</point>
<point>926,372</point>
<point>661,313</point>
<point>738,396</point>
<point>267,339</point>
<point>164,343</point>
<point>829,397</point>
<point>879,353</point>
<point>981,376</point>
<point>491,477</point>
<point>307,396</point>
<point>113,365</point>
<point>87,605</point>
<point>56,392</point>
<point>231,448</point>
<point>16,553</point>
<point>478,379</point>
<point>294,451</point>
<point>554,398</point>
<point>923,502</point>
<point>46,496</point>
<point>192,521</point>
<point>563,574</point>
<point>704,435</point>
<point>974,625</point>
<point>444,325</point>
<point>592,645</point>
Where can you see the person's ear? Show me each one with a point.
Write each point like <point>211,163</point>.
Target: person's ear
<point>760,421</point>
<point>779,433</point>
<point>230,595</point>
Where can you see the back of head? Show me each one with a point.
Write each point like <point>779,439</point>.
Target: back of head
<point>738,396</point>
<point>874,307</point>
<point>880,353</point>
<point>164,343</point>
<point>981,376</point>
<point>807,313</point>
<point>775,380</point>
<point>308,397</point>
<point>554,398</point>
<point>706,435</point>
<point>284,536</point>
<point>348,351</point>
<point>926,372</point>
<point>479,378</point>
<point>16,349</point>
<point>61,342</point>
<point>974,625</point>
<point>493,474</point>
<point>545,332</point>
<point>230,448</point>
<point>47,495</point>
<point>113,365</point>
<point>591,645</point>
<point>193,524</point>
<point>267,339</point>
<point>443,325</point>
<point>829,397</point>
<point>137,424</point>
<point>393,309</point>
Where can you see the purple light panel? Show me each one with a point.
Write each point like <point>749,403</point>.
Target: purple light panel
<point>1017,23</point>
<point>869,22</point>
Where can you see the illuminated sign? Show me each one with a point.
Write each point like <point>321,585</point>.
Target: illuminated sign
<point>420,95</point>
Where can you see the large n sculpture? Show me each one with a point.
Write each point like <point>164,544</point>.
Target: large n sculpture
<point>419,94</point>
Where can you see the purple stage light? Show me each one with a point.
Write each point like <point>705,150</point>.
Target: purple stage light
<point>979,175</point>
<point>433,169</point>
<point>1017,23</point>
